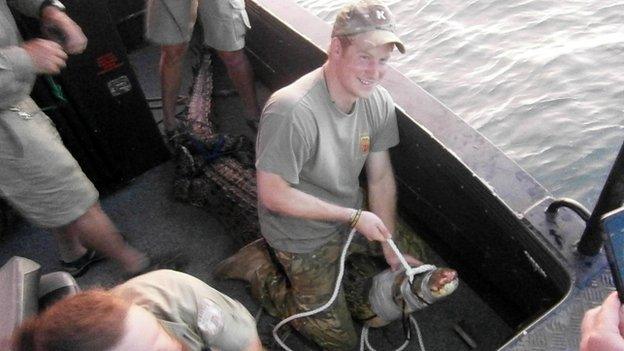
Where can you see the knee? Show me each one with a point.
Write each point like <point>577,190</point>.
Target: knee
<point>233,59</point>
<point>172,54</point>
<point>89,216</point>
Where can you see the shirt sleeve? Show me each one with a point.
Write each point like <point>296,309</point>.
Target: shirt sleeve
<point>225,324</point>
<point>283,145</point>
<point>387,133</point>
<point>17,75</point>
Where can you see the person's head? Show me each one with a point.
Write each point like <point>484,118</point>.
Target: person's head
<point>94,320</point>
<point>363,37</point>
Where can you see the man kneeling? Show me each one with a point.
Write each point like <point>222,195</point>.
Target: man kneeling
<point>161,310</point>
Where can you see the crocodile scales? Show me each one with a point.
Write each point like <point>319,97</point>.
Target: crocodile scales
<point>213,170</point>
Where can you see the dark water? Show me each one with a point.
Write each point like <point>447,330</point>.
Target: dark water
<point>542,79</point>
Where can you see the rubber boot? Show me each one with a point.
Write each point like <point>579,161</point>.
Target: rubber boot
<point>243,264</point>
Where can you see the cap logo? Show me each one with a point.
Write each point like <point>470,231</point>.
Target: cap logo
<point>381,15</point>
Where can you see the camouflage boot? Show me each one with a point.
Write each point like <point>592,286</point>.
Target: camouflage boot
<point>244,264</point>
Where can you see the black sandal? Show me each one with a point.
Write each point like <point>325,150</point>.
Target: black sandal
<point>80,266</point>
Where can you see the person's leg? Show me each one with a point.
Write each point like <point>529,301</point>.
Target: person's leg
<point>75,258</point>
<point>169,23</point>
<point>95,230</point>
<point>224,24</point>
<point>69,247</point>
<point>242,76</point>
<point>293,283</point>
<point>171,59</point>
<point>309,283</point>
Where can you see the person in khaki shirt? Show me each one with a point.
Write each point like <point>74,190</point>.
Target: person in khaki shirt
<point>163,310</point>
<point>38,176</point>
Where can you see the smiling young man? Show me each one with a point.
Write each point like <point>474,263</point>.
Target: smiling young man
<point>315,137</point>
<point>159,311</point>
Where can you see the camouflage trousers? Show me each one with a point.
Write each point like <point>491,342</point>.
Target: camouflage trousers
<point>306,281</point>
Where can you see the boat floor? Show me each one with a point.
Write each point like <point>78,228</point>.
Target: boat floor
<point>153,221</point>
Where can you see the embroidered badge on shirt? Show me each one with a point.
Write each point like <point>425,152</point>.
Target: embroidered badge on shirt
<point>209,318</point>
<point>364,144</point>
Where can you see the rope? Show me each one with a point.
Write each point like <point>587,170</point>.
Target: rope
<point>364,336</point>
<point>409,271</point>
<point>343,257</point>
<point>364,343</point>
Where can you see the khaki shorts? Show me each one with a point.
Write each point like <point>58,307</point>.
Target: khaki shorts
<point>224,22</point>
<point>38,176</point>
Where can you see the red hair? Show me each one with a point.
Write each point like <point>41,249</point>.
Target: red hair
<point>92,320</point>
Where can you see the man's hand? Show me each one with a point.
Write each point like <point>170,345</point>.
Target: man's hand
<point>48,57</point>
<point>372,227</point>
<point>75,40</point>
<point>393,260</point>
<point>603,326</point>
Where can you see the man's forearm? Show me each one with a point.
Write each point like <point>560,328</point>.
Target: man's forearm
<point>382,199</point>
<point>382,193</point>
<point>382,202</point>
<point>381,187</point>
<point>302,205</point>
<point>278,196</point>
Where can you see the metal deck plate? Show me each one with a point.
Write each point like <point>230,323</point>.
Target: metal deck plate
<point>561,330</point>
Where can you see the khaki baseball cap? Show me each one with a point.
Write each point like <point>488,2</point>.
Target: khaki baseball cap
<point>368,16</point>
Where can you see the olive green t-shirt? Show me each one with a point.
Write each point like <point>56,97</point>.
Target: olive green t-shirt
<point>320,150</point>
